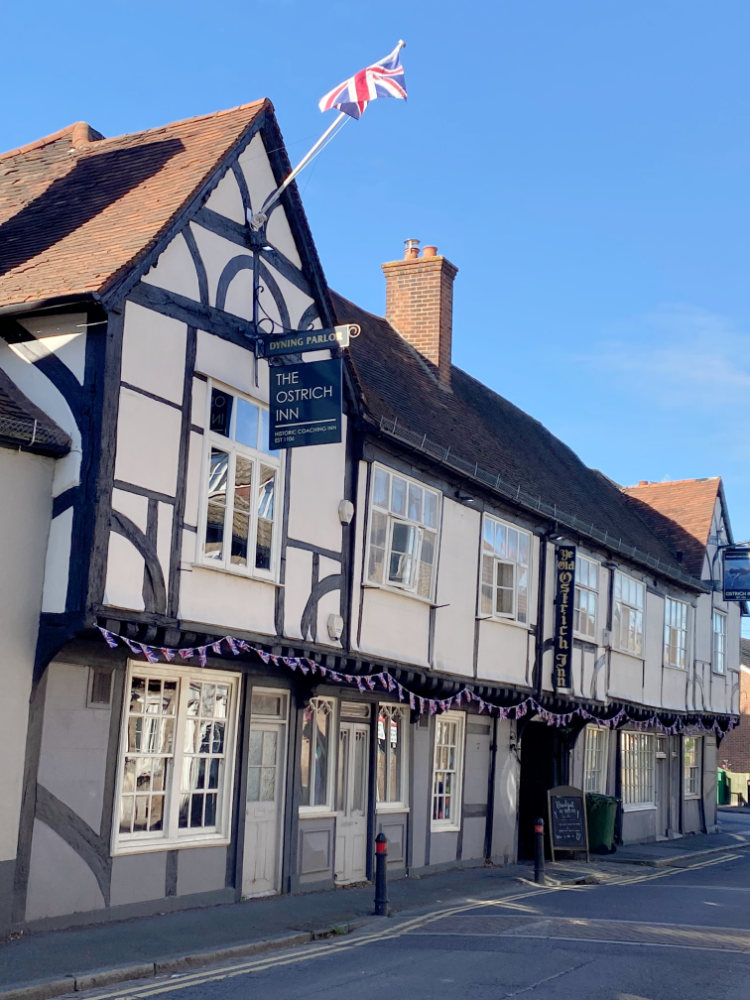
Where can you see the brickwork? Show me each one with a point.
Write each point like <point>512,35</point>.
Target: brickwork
<point>734,752</point>
<point>419,304</point>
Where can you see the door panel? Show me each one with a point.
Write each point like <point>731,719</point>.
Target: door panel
<point>263,808</point>
<point>351,823</point>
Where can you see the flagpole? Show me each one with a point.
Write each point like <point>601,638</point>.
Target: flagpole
<point>261,217</point>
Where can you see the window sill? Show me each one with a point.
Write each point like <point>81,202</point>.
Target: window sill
<point>398,590</point>
<point>235,572</point>
<point>499,620</point>
<point>718,673</point>
<point>316,812</point>
<point>391,807</point>
<point>673,666</point>
<point>448,828</point>
<point>175,844</point>
<point>626,652</point>
<point>639,807</point>
<point>580,637</point>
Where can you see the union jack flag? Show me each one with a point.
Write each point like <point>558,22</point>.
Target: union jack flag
<point>382,79</point>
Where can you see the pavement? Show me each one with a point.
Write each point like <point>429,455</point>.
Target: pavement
<point>39,966</point>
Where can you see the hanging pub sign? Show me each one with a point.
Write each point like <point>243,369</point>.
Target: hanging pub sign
<point>737,574</point>
<point>565,573</point>
<point>300,341</point>
<point>306,404</point>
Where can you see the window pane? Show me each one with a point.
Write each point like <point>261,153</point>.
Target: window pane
<point>221,412</point>
<point>243,477</point>
<point>265,430</point>
<point>400,569</point>
<point>321,756</point>
<point>488,570</point>
<point>522,602</point>
<point>398,496</point>
<point>377,546</point>
<point>488,536</point>
<point>512,544</point>
<point>430,509</point>
<point>415,503</point>
<point>246,424</point>
<point>382,481</point>
<point>426,563</point>
<point>217,499</point>
<point>501,541</point>
<point>266,496</point>
<point>382,758</point>
<point>523,548</point>
<point>305,755</point>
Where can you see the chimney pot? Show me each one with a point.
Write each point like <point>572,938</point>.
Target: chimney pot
<point>643,482</point>
<point>429,252</point>
<point>412,249</point>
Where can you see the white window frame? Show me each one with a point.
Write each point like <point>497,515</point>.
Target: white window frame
<point>400,804</point>
<point>632,608</point>
<point>585,590</point>
<point>718,642</point>
<point>211,441</point>
<point>692,766</point>
<point>394,519</point>
<point>328,807</point>
<point>638,770</point>
<point>497,560</point>
<point>596,760</point>
<point>454,822</point>
<point>673,629</point>
<point>172,835</point>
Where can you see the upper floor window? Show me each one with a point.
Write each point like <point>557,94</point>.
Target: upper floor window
<point>504,582</point>
<point>675,632</point>
<point>241,487</point>
<point>393,727</point>
<point>720,642</point>
<point>403,533</point>
<point>587,583</point>
<point>627,623</point>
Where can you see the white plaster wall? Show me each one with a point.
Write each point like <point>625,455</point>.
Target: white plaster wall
<point>396,626</point>
<point>216,252</point>
<point>674,688</point>
<point>64,336</point>
<point>507,771</point>
<point>654,649</point>
<point>329,604</point>
<point>625,676</point>
<point>57,565</point>
<point>316,489</point>
<point>193,480</point>
<point>232,365</point>
<point>153,352</point>
<point>164,538</point>
<point>60,882</point>
<point>227,600</point>
<point>175,270</point>
<point>296,590</point>
<point>25,511</point>
<point>503,652</point>
<point>133,506</point>
<point>704,628</point>
<point>198,404</point>
<point>226,199</point>
<point>75,738</point>
<point>148,439</point>
<point>359,525</point>
<point>458,576</point>
<point>125,567</point>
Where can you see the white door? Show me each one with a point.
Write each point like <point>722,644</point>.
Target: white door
<point>351,803</point>
<point>264,805</point>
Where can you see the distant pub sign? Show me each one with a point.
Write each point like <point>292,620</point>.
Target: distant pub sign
<point>737,574</point>
<point>565,572</point>
<point>306,404</point>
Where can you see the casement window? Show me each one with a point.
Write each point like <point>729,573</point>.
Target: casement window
<point>637,756</point>
<point>720,642</point>
<point>627,621</point>
<point>691,765</point>
<point>316,762</point>
<point>675,632</point>
<point>595,778</point>
<point>241,487</point>
<point>404,520</point>
<point>505,569</point>
<point>447,771</point>
<point>587,583</point>
<point>393,728</point>
<point>175,768</point>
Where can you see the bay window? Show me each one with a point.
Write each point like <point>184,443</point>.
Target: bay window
<point>403,533</point>
<point>241,487</point>
<point>627,620</point>
<point>505,569</point>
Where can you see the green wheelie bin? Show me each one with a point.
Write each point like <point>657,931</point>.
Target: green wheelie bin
<point>601,814</point>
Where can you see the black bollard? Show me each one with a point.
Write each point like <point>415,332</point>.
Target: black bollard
<point>381,881</point>
<point>539,851</point>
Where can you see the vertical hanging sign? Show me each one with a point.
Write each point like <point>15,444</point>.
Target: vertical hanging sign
<point>565,573</point>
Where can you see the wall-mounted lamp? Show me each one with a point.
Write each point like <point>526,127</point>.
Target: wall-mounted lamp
<point>346,511</point>
<point>335,627</point>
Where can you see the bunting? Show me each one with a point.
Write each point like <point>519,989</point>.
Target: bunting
<point>433,706</point>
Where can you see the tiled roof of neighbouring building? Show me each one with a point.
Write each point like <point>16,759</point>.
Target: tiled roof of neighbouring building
<point>397,383</point>
<point>23,425</point>
<point>745,652</point>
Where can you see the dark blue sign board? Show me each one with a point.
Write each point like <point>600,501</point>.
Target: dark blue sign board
<point>306,404</point>
<point>301,341</point>
<point>737,574</point>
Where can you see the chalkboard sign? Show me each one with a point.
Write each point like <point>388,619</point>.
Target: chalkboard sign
<point>567,820</point>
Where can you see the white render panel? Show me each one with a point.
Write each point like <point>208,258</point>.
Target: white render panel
<point>193,481</point>
<point>227,600</point>
<point>253,161</point>
<point>125,568</point>
<point>164,538</point>
<point>57,567</point>
<point>198,405</point>
<point>148,442</point>
<point>296,300</point>
<point>133,506</point>
<point>330,603</point>
<point>63,336</point>
<point>674,689</point>
<point>395,625</point>
<point>280,235</point>
<point>503,652</point>
<point>175,270</point>
<point>60,881</point>
<point>25,512</point>
<point>216,252</point>
<point>458,574</point>
<point>239,297</point>
<point>359,525</point>
<point>652,675</point>
<point>232,365</point>
<point>226,199</point>
<point>153,352</point>
<point>298,579</point>
<point>625,676</point>
<point>316,489</point>
<point>188,553</point>
<point>704,628</point>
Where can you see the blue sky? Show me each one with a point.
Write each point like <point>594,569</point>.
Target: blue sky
<point>584,164</point>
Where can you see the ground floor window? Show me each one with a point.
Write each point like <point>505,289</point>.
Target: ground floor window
<point>448,767</point>
<point>393,727</point>
<point>637,768</point>
<point>316,769</point>
<point>175,771</point>
<point>691,761</point>
<point>596,759</point>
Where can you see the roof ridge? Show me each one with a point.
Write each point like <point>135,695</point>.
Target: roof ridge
<point>671,482</point>
<point>46,140</point>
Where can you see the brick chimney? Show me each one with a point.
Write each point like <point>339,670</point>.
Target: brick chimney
<point>419,303</point>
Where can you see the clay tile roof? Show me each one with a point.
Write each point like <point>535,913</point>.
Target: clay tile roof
<point>76,208</point>
<point>681,513</point>
<point>745,652</point>
<point>23,425</point>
